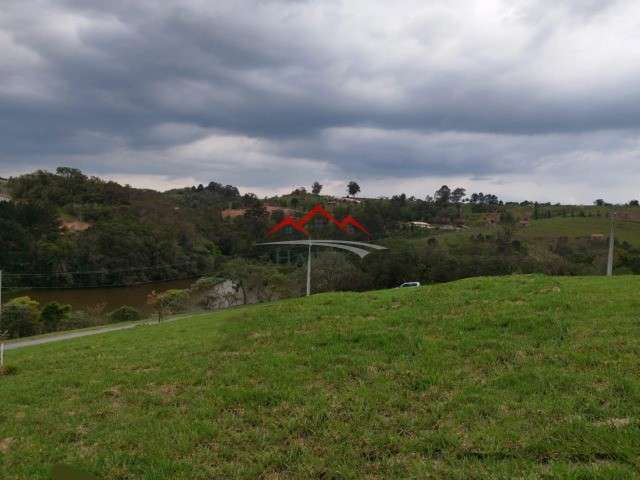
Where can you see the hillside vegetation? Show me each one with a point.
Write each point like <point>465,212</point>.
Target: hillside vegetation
<point>70,230</point>
<point>511,377</point>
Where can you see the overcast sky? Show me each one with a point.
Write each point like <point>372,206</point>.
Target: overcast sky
<point>527,99</point>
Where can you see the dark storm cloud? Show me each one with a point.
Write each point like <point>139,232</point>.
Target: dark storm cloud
<point>395,88</point>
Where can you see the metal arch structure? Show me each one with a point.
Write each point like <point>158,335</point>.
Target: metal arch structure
<point>354,247</point>
<point>359,248</point>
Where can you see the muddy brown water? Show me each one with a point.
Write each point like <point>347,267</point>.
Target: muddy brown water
<point>113,297</point>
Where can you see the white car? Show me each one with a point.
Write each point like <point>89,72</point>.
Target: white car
<point>409,284</point>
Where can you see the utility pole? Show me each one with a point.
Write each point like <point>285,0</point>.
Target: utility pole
<point>611,245</point>
<point>309,269</point>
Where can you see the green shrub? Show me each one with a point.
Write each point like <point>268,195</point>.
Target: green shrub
<point>205,283</point>
<point>77,319</point>
<point>8,370</point>
<point>174,300</point>
<point>124,314</point>
<point>21,317</point>
<point>53,315</point>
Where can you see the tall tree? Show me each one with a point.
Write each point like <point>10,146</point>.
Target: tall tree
<point>458,194</point>
<point>456,197</point>
<point>316,188</point>
<point>353,188</point>
<point>443,195</point>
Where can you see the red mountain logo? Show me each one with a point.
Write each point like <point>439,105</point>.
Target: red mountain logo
<point>318,210</point>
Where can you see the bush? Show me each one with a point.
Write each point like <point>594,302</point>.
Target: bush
<point>20,317</point>
<point>205,283</point>
<point>53,315</point>
<point>8,370</point>
<point>77,319</point>
<point>174,300</point>
<point>124,314</point>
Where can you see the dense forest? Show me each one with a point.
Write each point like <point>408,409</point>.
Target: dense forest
<point>67,229</point>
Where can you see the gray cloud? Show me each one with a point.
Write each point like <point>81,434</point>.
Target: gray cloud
<point>272,93</point>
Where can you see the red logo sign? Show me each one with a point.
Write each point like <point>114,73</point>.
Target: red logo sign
<point>318,210</point>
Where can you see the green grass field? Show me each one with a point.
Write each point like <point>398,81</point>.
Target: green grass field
<point>573,227</point>
<point>512,377</point>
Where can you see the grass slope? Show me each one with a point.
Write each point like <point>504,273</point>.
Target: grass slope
<point>513,377</point>
<point>573,227</point>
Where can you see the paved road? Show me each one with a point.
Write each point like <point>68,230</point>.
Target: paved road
<point>84,333</point>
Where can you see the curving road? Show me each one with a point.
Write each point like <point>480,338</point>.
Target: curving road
<point>83,333</point>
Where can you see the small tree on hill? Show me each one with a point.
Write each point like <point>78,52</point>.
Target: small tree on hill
<point>353,188</point>
<point>169,302</point>
<point>153,301</point>
<point>508,225</point>
<point>456,198</point>
<point>174,300</point>
<point>243,274</point>
<point>443,195</point>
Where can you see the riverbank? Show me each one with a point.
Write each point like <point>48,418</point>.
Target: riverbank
<point>105,298</point>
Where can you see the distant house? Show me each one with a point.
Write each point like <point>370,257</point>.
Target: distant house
<point>74,226</point>
<point>233,212</point>
<point>4,197</point>
<point>271,209</point>
<point>597,237</point>
<point>525,222</point>
<point>417,225</point>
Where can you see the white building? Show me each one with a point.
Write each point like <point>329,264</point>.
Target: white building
<point>416,224</point>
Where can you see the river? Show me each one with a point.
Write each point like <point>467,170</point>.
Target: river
<point>112,297</point>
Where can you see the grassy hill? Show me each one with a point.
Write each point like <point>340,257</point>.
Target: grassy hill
<point>512,377</point>
<point>573,227</point>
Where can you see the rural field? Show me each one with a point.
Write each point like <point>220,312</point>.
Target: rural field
<point>509,377</point>
<point>552,228</point>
